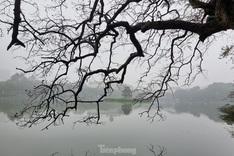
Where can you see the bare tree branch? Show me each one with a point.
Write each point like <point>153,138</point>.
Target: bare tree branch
<point>102,40</point>
<point>17,20</point>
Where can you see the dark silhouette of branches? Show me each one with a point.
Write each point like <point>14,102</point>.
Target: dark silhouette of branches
<point>162,150</point>
<point>163,37</point>
<point>15,26</point>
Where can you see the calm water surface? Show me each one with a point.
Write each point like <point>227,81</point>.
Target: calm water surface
<point>180,134</point>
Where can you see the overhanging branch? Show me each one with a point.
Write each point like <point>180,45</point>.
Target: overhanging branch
<point>203,30</point>
<point>148,31</point>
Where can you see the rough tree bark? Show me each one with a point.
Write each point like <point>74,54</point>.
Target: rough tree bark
<point>15,26</point>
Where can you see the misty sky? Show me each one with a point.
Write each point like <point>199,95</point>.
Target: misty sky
<point>218,70</point>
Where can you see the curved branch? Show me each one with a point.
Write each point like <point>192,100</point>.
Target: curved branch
<point>203,30</point>
<point>149,30</point>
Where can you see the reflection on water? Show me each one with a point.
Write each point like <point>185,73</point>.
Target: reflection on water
<point>184,132</point>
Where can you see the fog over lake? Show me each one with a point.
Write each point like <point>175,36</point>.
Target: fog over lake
<point>181,132</point>
<point>81,59</point>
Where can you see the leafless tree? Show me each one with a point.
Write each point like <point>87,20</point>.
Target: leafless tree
<point>161,38</point>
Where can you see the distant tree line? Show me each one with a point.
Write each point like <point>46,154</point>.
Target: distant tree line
<point>214,92</point>
<point>17,85</point>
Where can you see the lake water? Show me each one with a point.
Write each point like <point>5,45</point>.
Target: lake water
<point>124,132</point>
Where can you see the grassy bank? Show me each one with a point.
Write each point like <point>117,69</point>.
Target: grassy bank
<point>122,100</point>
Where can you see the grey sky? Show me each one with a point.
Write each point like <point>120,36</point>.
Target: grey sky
<point>218,70</point>
<point>8,60</point>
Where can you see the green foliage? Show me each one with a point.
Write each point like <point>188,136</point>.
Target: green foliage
<point>120,100</point>
<point>229,119</point>
<point>227,109</point>
<point>228,113</point>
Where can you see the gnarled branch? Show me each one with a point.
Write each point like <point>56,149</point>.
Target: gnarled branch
<point>15,26</point>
